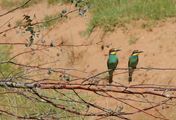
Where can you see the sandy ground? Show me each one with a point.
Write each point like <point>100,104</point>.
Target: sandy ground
<point>158,43</point>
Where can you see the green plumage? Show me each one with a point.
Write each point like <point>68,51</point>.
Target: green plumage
<point>112,64</point>
<point>132,63</point>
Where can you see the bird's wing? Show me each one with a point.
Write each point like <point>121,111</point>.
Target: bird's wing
<point>116,62</point>
<point>108,64</point>
<point>129,62</point>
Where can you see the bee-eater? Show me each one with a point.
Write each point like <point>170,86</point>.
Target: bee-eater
<point>132,63</point>
<point>112,62</point>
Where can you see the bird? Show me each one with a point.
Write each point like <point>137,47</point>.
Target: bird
<point>112,62</point>
<point>132,63</point>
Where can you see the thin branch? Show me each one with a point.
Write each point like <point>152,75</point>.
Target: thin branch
<point>40,22</point>
<point>12,10</point>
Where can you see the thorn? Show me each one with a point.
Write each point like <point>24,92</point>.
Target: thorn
<point>26,44</point>
<point>52,44</point>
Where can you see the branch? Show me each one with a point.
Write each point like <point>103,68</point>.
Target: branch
<point>86,87</point>
<point>15,8</point>
<point>36,23</point>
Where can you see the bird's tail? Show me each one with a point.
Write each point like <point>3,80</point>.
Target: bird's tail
<point>130,78</point>
<point>130,70</point>
<point>111,76</point>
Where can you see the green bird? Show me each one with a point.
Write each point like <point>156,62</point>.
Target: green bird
<point>112,62</point>
<point>132,63</point>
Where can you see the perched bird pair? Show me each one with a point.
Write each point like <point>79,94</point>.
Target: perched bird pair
<point>113,61</point>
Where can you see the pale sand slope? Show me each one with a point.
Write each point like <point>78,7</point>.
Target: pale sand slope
<point>157,42</point>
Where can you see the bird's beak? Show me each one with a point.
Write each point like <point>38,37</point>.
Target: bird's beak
<point>140,51</point>
<point>117,50</point>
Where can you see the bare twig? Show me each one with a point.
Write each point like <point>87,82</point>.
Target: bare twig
<point>12,10</point>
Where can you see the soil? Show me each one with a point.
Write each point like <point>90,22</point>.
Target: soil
<point>158,42</point>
